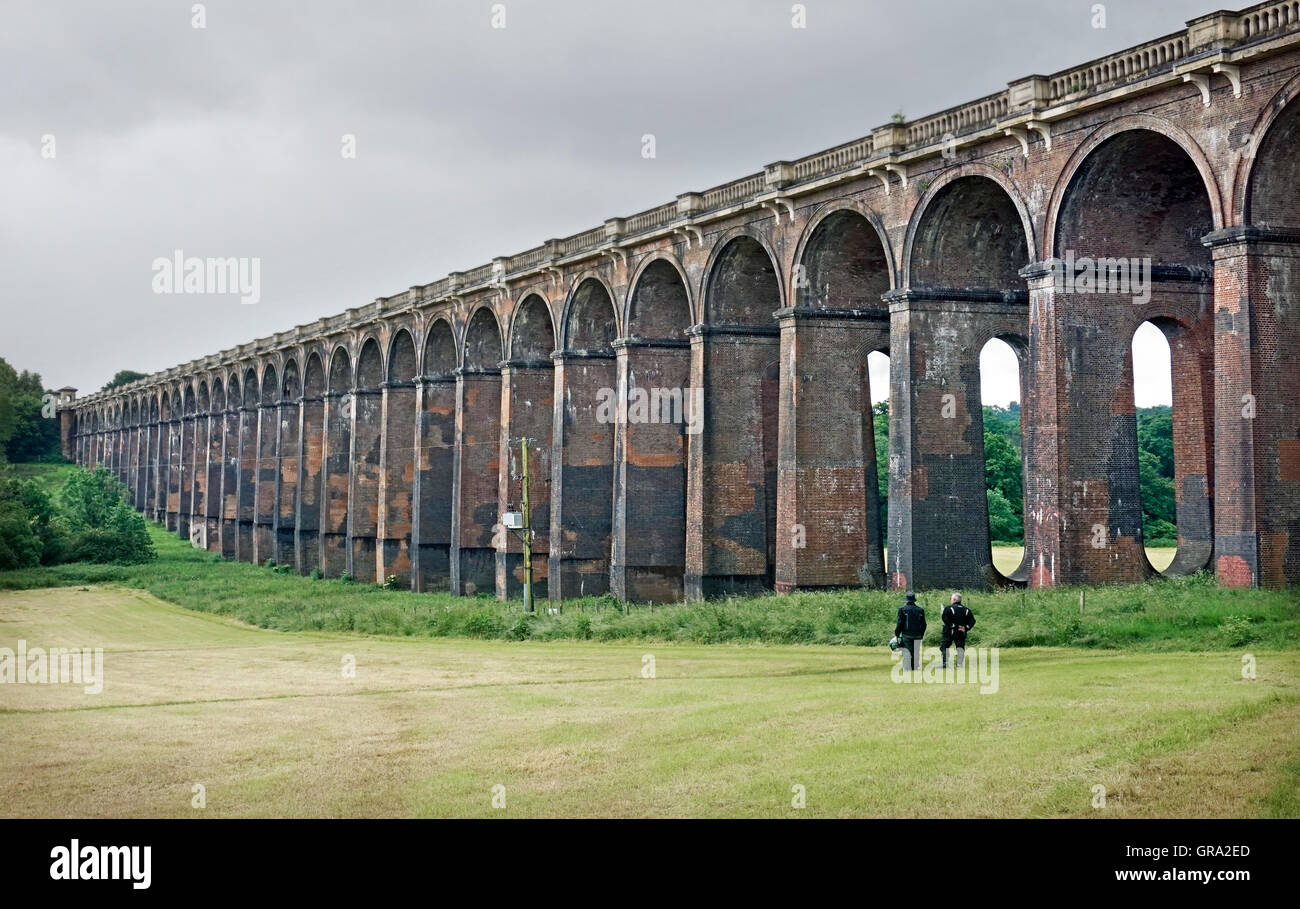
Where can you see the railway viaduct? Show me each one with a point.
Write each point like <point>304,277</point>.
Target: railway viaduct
<point>379,442</point>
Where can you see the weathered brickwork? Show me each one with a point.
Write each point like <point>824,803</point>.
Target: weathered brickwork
<point>384,442</point>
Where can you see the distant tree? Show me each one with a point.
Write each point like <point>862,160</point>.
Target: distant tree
<point>1156,435</point>
<point>1004,422</point>
<point>1005,524</point>
<point>25,434</point>
<point>42,518</point>
<point>8,379</point>
<point>880,427</point>
<point>1002,472</point>
<point>122,378</point>
<point>1156,476</point>
<point>1159,507</point>
<point>20,546</point>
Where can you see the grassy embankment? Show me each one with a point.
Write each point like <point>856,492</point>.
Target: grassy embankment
<point>1165,614</point>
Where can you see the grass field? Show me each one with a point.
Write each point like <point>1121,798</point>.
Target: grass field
<point>1165,614</point>
<point>267,723</point>
<point>231,676</point>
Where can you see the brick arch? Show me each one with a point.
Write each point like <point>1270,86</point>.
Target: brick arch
<point>402,363</point>
<point>340,378</point>
<point>218,394</point>
<point>204,397</point>
<point>583,307</point>
<point>439,355</point>
<point>722,257</point>
<point>825,219</point>
<point>657,278</point>
<point>270,385</point>
<point>1191,358</point>
<point>1276,146</point>
<point>290,381</point>
<point>187,400</point>
<point>252,386</point>
<point>532,329</point>
<point>370,363</point>
<point>233,395</point>
<point>1136,195</point>
<point>1109,130</point>
<point>313,381</point>
<point>670,256</point>
<point>941,189</point>
<point>481,347</point>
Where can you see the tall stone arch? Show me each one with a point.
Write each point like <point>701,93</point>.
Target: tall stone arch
<point>1134,203</point>
<point>307,521</point>
<point>732,458</point>
<point>829,530</point>
<point>435,457</point>
<point>336,471</point>
<point>1257,412</point>
<point>367,452</point>
<point>475,509</point>
<point>397,476</point>
<point>967,242</point>
<point>582,463</point>
<point>527,410</point>
<point>648,557</point>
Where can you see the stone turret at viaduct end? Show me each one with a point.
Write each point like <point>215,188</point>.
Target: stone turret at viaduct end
<point>694,377</point>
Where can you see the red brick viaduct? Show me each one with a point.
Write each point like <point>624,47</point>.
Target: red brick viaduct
<point>379,442</point>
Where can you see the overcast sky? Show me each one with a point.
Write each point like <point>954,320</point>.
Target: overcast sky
<point>471,141</point>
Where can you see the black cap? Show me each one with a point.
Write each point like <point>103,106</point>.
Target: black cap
<point>911,599</point>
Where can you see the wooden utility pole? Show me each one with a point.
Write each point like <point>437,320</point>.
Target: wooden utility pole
<point>528,533</point>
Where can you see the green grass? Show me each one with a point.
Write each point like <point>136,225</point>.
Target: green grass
<point>1166,614</point>
<point>50,477</point>
<point>269,725</point>
<point>1140,693</point>
<point>1163,615</point>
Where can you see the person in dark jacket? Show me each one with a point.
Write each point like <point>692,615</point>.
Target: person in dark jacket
<point>957,620</point>
<point>910,629</point>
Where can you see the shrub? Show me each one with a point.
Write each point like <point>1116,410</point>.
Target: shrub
<point>484,624</point>
<point>42,518</point>
<point>392,582</point>
<point>20,547</point>
<point>102,527</point>
<point>1235,630</point>
<point>523,627</point>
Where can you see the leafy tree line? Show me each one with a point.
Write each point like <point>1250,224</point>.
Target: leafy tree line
<point>1156,475</point>
<point>1003,472</point>
<point>25,435</point>
<point>88,520</point>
